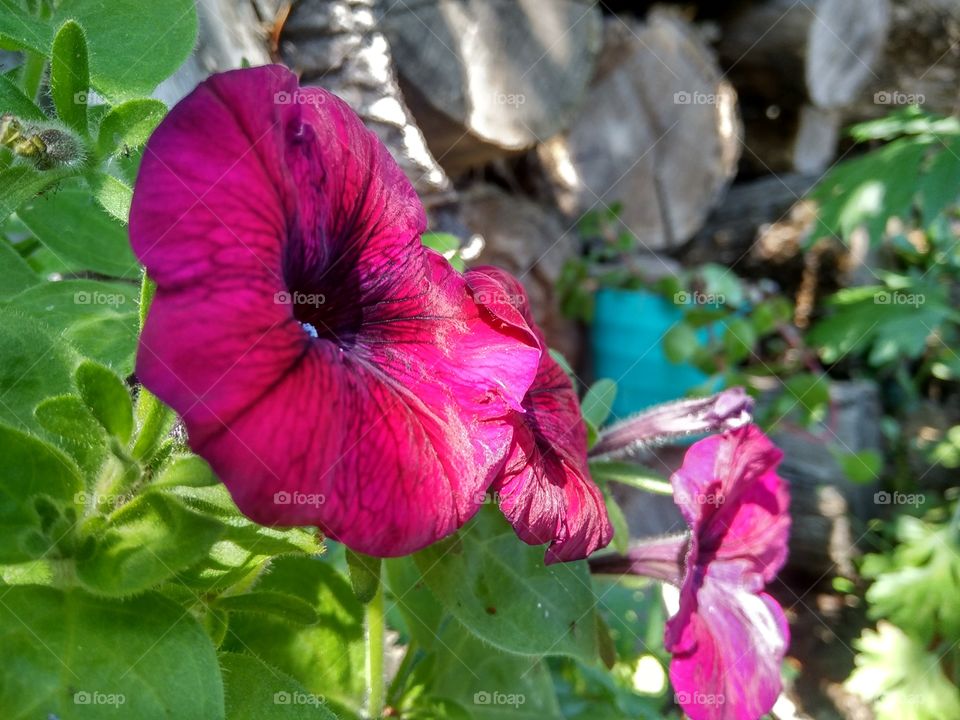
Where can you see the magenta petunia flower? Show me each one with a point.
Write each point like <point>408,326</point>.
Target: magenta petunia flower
<point>545,490</point>
<point>729,637</point>
<point>332,370</point>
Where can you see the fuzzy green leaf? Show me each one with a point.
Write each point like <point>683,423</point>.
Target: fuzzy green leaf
<point>70,76</point>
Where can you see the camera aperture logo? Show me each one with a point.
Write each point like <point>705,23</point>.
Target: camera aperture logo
<point>296,497</point>
<point>483,697</point>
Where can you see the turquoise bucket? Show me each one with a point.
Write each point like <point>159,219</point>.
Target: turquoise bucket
<point>627,338</point>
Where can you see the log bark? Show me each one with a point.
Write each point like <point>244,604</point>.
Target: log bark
<point>781,139</point>
<point>533,243</point>
<point>331,43</point>
<point>828,511</point>
<point>818,51</point>
<point>659,132</point>
<point>921,61</point>
<point>338,45</point>
<point>731,232</point>
<point>486,78</point>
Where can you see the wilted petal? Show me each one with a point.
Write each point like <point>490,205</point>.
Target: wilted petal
<point>726,410</point>
<point>545,490</point>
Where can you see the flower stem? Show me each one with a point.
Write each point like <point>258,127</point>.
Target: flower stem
<point>375,633</point>
<point>153,417</point>
<point>635,476</point>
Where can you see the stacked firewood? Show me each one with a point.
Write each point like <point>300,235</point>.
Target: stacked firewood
<point>706,123</point>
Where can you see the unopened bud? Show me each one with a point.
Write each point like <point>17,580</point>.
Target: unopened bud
<point>683,418</point>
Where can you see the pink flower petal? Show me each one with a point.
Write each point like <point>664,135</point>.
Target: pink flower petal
<point>546,491</point>
<point>332,370</point>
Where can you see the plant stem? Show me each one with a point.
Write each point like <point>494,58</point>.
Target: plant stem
<point>633,475</point>
<point>375,632</point>
<point>153,417</point>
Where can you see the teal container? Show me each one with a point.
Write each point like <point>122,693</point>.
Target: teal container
<point>627,339</point>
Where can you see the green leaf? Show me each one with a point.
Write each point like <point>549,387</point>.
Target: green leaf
<point>76,229</point>
<point>869,190</point>
<point>493,685</point>
<point>188,470</point>
<point>265,602</point>
<point>31,468</point>
<point>128,125</point>
<point>21,29</point>
<point>598,402</point>
<point>68,420</point>
<point>328,657</point>
<point>621,531</point>
<point>881,323</point>
<point>419,610</point>
<point>680,343</point>
<point>902,679</point>
<point>13,101</point>
<point>15,275</point>
<point>108,399</point>
<point>364,574</point>
<point>20,183</point>
<point>98,318</point>
<point>939,187</point>
<point>133,45</point>
<point>113,195</point>
<point>738,339</point>
<point>79,656</point>
<point>919,590</point>
<point>500,589</point>
<point>33,366</point>
<point>255,691</point>
<point>861,467</point>
<point>447,245</point>
<point>70,76</point>
<point>144,542</point>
